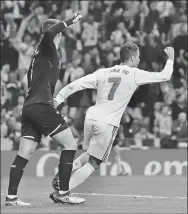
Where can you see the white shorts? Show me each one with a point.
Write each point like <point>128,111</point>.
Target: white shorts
<point>98,138</point>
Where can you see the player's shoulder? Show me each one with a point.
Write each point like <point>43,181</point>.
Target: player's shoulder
<point>126,67</point>
<point>100,71</point>
<point>122,70</point>
<point>101,74</point>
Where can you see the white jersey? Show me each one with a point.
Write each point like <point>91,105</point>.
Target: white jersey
<point>115,87</point>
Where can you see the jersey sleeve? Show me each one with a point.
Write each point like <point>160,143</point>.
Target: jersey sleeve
<point>51,33</point>
<point>145,77</point>
<point>89,81</point>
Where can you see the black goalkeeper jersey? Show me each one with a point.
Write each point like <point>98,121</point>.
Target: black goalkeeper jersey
<point>44,69</point>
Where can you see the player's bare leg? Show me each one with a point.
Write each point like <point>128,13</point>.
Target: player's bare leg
<point>63,195</point>
<point>26,149</point>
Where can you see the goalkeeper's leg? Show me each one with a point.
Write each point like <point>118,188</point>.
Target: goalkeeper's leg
<point>78,163</point>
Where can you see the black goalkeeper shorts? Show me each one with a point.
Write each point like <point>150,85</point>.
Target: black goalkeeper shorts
<point>41,119</point>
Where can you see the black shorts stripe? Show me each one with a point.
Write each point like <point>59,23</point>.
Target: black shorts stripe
<point>29,138</point>
<point>114,131</point>
<point>61,128</point>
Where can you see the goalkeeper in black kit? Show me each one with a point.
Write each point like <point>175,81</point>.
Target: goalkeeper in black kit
<point>40,117</point>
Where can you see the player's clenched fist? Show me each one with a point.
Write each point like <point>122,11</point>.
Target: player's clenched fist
<point>169,52</point>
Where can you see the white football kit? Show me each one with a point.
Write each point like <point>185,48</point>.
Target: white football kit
<point>115,87</point>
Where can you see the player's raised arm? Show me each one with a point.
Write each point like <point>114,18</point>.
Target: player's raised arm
<point>89,81</point>
<point>145,77</point>
<point>52,27</point>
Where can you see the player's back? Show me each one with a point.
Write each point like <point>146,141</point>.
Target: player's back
<point>115,87</point>
<point>43,74</point>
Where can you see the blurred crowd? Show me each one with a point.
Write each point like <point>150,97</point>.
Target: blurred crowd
<point>156,111</point>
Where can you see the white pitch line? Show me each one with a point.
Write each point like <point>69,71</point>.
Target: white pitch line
<point>135,196</point>
<point>122,195</point>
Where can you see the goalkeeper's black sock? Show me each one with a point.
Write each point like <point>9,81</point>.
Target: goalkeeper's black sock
<point>65,168</point>
<point>16,172</point>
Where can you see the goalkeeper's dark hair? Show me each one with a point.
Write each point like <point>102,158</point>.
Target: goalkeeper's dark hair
<point>48,23</point>
<point>128,51</point>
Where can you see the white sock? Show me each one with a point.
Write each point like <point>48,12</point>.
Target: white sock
<point>80,175</point>
<point>12,196</point>
<point>61,192</point>
<point>80,161</point>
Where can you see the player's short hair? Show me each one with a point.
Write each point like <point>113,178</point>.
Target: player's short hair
<point>48,23</point>
<point>128,51</point>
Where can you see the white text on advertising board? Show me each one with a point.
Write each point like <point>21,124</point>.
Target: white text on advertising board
<point>150,168</point>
